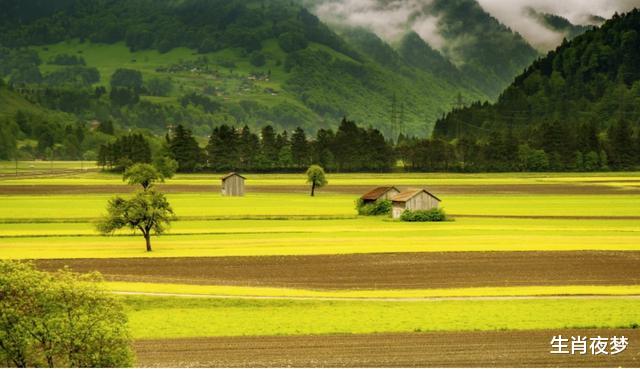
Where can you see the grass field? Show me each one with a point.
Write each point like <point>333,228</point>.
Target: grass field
<point>239,291</point>
<point>620,179</point>
<point>188,206</point>
<point>152,317</point>
<point>296,224</point>
<point>584,214</point>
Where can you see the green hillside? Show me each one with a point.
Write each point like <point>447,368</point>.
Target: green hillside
<point>250,63</point>
<point>578,107</point>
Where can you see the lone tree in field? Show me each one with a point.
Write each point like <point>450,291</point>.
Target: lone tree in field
<point>59,320</point>
<point>148,211</point>
<point>142,174</point>
<point>317,178</point>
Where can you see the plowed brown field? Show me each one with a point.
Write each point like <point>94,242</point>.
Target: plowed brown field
<point>376,271</point>
<point>449,349</point>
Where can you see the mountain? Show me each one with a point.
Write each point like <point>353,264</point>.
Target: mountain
<point>485,50</point>
<point>458,32</point>
<point>206,62</point>
<point>560,24</point>
<point>583,97</point>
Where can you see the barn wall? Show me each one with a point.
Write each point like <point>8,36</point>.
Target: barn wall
<point>422,202</point>
<point>390,194</point>
<point>397,209</point>
<point>233,186</point>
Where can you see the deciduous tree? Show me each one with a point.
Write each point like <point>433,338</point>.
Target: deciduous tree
<point>148,212</point>
<point>59,320</point>
<point>316,177</point>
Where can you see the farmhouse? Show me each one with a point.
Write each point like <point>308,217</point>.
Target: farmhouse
<point>414,200</point>
<point>233,185</point>
<point>380,193</point>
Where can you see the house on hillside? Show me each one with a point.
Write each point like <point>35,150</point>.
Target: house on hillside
<point>380,193</point>
<point>414,200</point>
<point>233,185</point>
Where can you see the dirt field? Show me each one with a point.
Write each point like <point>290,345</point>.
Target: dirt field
<point>549,189</point>
<point>464,349</point>
<point>377,271</point>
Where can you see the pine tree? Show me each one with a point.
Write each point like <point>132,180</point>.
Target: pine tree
<point>185,150</point>
<point>300,148</point>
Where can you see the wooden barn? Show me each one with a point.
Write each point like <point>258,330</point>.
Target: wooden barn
<point>380,193</point>
<point>233,185</point>
<point>414,200</point>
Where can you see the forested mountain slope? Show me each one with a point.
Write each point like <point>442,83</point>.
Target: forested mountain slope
<point>208,62</point>
<point>583,97</point>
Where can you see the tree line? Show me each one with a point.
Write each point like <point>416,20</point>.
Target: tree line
<point>349,148</point>
<point>578,108</point>
<point>352,148</point>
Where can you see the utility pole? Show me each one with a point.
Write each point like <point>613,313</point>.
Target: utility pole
<point>401,120</point>
<point>458,104</point>
<point>394,117</point>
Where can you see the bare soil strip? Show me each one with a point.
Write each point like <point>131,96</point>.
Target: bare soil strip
<point>376,271</point>
<point>442,349</point>
<point>514,189</point>
<point>382,299</point>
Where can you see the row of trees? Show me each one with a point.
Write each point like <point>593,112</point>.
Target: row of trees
<point>578,108</point>
<point>350,148</point>
<point>547,147</point>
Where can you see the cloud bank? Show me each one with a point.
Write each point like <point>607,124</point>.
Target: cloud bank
<point>391,19</point>
<point>515,15</point>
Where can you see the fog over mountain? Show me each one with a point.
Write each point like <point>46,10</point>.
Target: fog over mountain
<point>391,19</point>
<point>515,14</point>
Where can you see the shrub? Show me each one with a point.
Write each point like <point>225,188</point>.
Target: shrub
<point>380,207</point>
<point>258,59</point>
<point>59,320</point>
<point>433,215</point>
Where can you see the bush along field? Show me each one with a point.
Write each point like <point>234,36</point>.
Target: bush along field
<point>278,262</point>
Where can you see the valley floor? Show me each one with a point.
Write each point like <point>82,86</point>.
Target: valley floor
<point>278,278</point>
<point>441,349</point>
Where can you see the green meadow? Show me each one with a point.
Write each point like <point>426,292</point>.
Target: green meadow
<point>190,206</point>
<point>319,236</point>
<point>46,226</point>
<point>153,317</point>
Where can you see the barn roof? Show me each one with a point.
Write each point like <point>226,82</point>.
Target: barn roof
<point>408,195</point>
<point>231,175</point>
<point>376,193</point>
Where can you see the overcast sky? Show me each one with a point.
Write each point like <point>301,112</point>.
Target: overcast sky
<point>391,19</point>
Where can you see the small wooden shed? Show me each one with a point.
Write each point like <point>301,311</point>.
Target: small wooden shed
<point>233,185</point>
<point>380,193</point>
<point>414,200</point>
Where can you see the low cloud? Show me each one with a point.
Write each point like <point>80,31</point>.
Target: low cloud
<point>391,19</point>
<point>515,15</point>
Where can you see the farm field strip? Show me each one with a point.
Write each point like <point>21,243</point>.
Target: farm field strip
<point>355,225</point>
<point>173,317</point>
<point>614,178</point>
<point>31,208</point>
<point>392,271</point>
<point>481,349</point>
<point>270,292</point>
<point>310,244</point>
